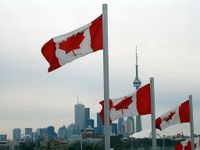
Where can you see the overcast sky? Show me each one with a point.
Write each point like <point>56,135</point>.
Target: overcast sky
<point>166,32</point>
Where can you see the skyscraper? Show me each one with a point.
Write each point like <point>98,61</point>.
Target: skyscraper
<point>28,134</point>
<point>133,123</point>
<point>51,133</point>
<point>62,133</point>
<point>16,134</point>
<point>73,130</point>
<point>137,84</point>
<point>128,127</point>
<point>99,129</point>
<point>42,133</point>
<point>3,137</point>
<point>87,113</point>
<point>114,128</point>
<point>120,126</point>
<point>88,121</point>
<point>80,116</point>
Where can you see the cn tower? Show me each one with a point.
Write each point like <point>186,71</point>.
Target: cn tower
<point>137,84</point>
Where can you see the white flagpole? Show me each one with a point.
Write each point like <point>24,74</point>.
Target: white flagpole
<point>191,122</point>
<point>106,78</point>
<point>153,125</point>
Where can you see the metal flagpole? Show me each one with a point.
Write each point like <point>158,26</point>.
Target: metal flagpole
<point>106,78</point>
<point>163,142</point>
<point>153,125</point>
<point>81,142</point>
<point>81,139</point>
<point>191,122</point>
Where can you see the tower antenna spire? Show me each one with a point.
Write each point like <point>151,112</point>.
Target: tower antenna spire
<point>136,55</point>
<point>136,82</point>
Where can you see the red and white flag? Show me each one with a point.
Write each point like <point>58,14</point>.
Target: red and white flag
<point>186,144</point>
<point>136,104</point>
<point>183,145</point>
<point>65,48</point>
<point>180,114</point>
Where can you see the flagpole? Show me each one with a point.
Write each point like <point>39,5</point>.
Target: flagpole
<point>153,125</point>
<point>106,78</point>
<point>191,122</point>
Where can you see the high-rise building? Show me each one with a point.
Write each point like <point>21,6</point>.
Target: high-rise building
<point>87,113</point>
<point>51,133</point>
<point>133,123</point>
<point>99,128</point>
<point>16,134</point>
<point>88,121</point>
<point>35,136</point>
<point>3,137</point>
<point>28,134</point>
<point>120,126</point>
<point>62,133</point>
<point>128,127</point>
<point>80,116</point>
<point>73,130</point>
<point>42,133</point>
<point>114,129</point>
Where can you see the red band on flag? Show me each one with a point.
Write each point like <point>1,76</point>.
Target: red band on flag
<point>144,100</point>
<point>48,50</point>
<point>96,34</point>
<point>184,112</point>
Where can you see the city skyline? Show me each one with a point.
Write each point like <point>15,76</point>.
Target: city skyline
<point>82,122</point>
<point>167,35</point>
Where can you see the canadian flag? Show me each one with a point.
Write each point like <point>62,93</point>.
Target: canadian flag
<point>186,144</point>
<point>180,114</point>
<point>136,104</point>
<point>65,48</point>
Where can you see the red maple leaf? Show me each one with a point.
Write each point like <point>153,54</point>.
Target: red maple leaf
<point>123,104</point>
<point>71,43</point>
<point>169,117</point>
